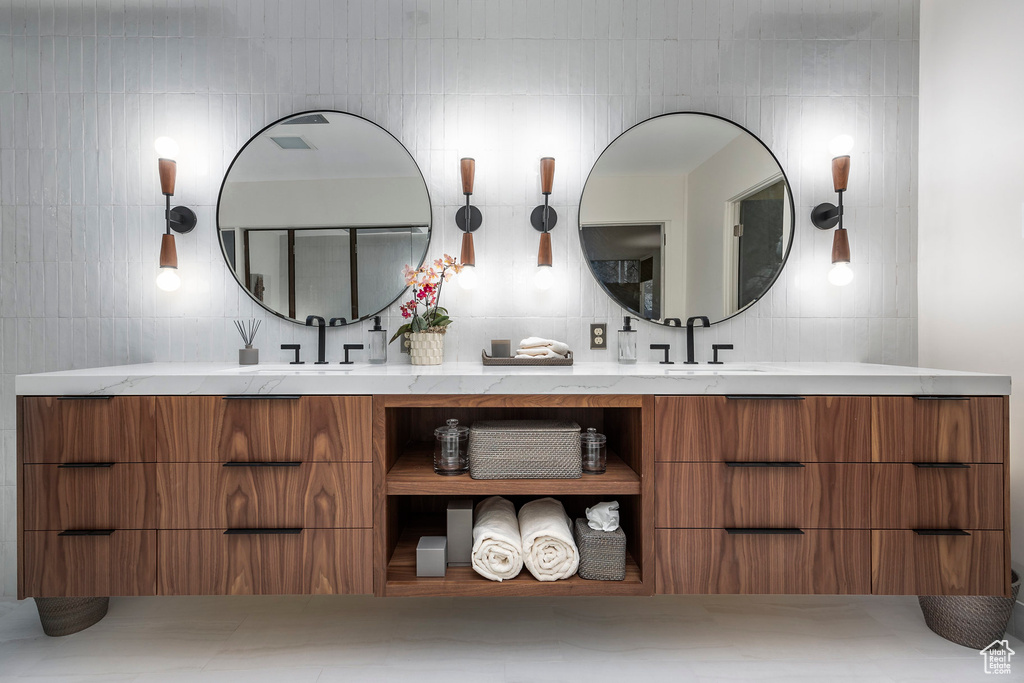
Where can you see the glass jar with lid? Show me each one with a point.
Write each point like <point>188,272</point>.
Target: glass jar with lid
<point>595,456</point>
<point>450,455</point>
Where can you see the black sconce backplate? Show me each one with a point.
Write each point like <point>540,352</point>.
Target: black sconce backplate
<point>475,221</point>
<point>537,218</point>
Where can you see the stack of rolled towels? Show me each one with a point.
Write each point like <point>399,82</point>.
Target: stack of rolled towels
<point>537,347</point>
<point>539,538</point>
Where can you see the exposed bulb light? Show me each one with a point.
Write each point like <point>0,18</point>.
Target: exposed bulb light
<point>543,278</point>
<point>168,279</point>
<point>841,274</point>
<point>468,278</point>
<point>840,145</point>
<point>166,147</point>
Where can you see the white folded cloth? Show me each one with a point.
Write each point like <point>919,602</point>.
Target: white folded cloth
<point>604,516</point>
<point>497,544</point>
<point>537,353</point>
<point>549,551</point>
<point>561,348</point>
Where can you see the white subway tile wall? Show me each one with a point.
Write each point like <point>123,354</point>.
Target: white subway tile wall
<point>87,85</point>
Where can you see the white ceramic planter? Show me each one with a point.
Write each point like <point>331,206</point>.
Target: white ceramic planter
<point>426,348</point>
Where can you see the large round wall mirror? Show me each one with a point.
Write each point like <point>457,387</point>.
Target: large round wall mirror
<point>686,214</point>
<point>318,213</point>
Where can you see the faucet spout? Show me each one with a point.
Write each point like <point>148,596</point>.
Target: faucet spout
<point>321,337</point>
<point>689,336</point>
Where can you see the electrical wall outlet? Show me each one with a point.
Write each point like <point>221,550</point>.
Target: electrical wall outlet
<point>599,335</point>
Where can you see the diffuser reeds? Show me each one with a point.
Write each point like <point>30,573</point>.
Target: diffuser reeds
<point>248,329</point>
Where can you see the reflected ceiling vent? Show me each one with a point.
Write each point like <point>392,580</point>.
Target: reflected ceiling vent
<point>291,142</point>
<point>308,118</point>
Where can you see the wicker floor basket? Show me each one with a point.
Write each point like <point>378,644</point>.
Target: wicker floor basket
<point>602,553</point>
<point>64,616</point>
<point>973,621</point>
<point>525,449</point>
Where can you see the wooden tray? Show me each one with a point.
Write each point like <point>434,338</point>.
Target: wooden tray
<point>487,360</point>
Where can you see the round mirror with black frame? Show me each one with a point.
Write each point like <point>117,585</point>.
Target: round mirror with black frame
<point>686,214</point>
<point>318,213</point>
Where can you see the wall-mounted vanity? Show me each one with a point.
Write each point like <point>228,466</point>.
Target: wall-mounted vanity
<point>173,479</point>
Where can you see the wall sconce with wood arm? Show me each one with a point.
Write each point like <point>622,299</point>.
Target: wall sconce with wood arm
<point>469,219</point>
<point>827,215</point>
<point>180,219</point>
<point>543,219</point>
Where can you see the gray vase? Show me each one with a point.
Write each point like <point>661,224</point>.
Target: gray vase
<point>248,356</point>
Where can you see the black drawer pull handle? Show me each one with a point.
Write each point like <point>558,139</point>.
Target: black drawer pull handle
<point>941,532</point>
<point>87,532</point>
<point>271,531</point>
<point>764,532</point>
<point>942,465</point>
<point>763,397</point>
<point>262,397</point>
<point>273,463</point>
<point>84,398</point>
<point>943,398</point>
<point>766,463</point>
<point>83,465</point>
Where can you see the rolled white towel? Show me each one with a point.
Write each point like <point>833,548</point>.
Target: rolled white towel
<point>549,551</point>
<point>561,348</point>
<point>497,543</point>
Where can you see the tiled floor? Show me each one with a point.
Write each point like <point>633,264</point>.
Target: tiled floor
<point>299,639</point>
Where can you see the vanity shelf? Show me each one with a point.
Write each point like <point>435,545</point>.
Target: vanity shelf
<point>463,581</point>
<point>410,499</point>
<point>413,475</point>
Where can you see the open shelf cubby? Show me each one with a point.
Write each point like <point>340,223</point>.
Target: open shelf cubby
<point>410,499</point>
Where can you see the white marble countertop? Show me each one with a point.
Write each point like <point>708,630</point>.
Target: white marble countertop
<point>473,378</point>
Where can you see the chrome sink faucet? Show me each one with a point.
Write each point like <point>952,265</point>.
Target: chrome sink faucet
<point>321,337</point>
<point>689,336</point>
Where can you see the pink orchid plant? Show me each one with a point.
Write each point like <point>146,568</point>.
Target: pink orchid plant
<point>426,283</point>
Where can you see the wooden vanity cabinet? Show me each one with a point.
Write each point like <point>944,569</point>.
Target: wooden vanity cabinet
<point>893,495</point>
<point>194,495</point>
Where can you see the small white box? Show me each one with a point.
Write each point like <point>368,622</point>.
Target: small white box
<point>460,532</point>
<point>431,556</point>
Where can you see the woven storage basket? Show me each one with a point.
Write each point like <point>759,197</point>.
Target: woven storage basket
<point>524,449</point>
<point>602,553</point>
<point>64,616</point>
<point>974,621</point>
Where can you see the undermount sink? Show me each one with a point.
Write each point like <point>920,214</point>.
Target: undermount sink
<point>288,369</point>
<point>714,369</point>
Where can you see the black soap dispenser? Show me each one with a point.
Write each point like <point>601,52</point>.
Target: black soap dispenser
<point>627,342</point>
<point>378,343</point>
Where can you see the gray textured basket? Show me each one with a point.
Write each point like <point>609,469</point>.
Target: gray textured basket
<point>973,621</point>
<point>557,362</point>
<point>525,449</point>
<point>602,553</point>
<point>64,616</point>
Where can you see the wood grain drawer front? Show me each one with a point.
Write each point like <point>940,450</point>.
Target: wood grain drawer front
<point>696,561</point>
<point>908,563</point>
<point>804,429</point>
<point>905,496</point>
<point>307,495</point>
<point>86,429</point>
<point>811,495</point>
<point>221,429</point>
<point>939,429</point>
<point>87,496</point>
<point>318,561</point>
<point>118,563</point>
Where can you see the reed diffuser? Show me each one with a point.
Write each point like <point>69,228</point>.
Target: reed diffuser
<point>248,329</point>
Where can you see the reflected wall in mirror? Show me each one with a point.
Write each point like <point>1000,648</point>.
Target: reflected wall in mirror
<point>319,212</point>
<point>686,214</point>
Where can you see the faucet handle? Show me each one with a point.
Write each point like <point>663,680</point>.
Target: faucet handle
<point>335,321</point>
<point>665,348</point>
<point>350,347</point>
<point>716,348</point>
<point>295,348</point>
